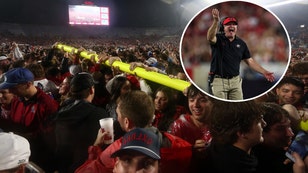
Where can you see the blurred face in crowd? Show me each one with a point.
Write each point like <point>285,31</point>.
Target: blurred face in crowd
<point>181,76</point>
<point>160,101</point>
<point>108,77</point>
<point>133,162</point>
<point>64,87</point>
<point>5,97</point>
<point>289,94</point>
<point>304,78</point>
<point>5,62</point>
<point>126,87</point>
<point>199,106</point>
<point>20,90</point>
<point>254,136</point>
<point>280,134</point>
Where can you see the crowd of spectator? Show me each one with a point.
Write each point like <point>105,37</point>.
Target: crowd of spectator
<point>54,99</point>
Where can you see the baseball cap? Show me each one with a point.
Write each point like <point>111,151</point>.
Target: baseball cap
<point>109,84</point>
<point>81,81</point>
<point>229,19</point>
<point>151,61</point>
<point>150,54</point>
<point>16,76</point>
<point>74,69</point>
<point>3,57</point>
<point>140,140</point>
<point>14,150</point>
<point>135,84</point>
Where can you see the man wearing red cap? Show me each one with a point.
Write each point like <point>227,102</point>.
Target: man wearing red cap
<point>228,51</point>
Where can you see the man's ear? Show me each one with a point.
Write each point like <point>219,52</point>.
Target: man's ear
<point>92,90</point>
<point>241,134</point>
<point>128,124</point>
<point>116,164</point>
<point>29,84</point>
<point>277,90</point>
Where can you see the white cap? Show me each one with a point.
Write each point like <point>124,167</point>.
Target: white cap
<point>3,57</point>
<point>110,82</point>
<point>74,69</point>
<point>14,150</point>
<point>151,61</point>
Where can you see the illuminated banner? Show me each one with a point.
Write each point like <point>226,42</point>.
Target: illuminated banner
<point>88,15</point>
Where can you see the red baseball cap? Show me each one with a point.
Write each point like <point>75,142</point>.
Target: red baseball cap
<point>229,19</point>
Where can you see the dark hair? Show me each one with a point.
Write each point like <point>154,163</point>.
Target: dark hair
<point>193,91</point>
<point>117,84</point>
<point>169,93</point>
<point>68,79</point>
<point>291,80</point>
<point>30,56</point>
<point>81,94</point>
<point>52,71</point>
<point>100,85</point>
<point>37,70</point>
<point>228,118</point>
<point>300,68</point>
<point>170,110</point>
<point>138,107</point>
<point>106,70</point>
<point>221,26</point>
<point>273,113</point>
<point>80,85</point>
<point>18,63</point>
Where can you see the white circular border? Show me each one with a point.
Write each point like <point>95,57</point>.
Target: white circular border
<point>260,95</point>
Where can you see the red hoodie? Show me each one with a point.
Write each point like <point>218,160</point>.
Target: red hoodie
<point>175,158</point>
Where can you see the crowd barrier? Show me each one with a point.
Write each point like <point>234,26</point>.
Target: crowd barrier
<point>159,78</point>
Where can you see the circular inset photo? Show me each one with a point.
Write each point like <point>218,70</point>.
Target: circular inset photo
<point>235,50</point>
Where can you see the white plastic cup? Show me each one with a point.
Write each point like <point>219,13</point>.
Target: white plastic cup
<point>107,126</point>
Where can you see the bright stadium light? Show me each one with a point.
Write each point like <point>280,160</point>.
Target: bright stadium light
<point>283,3</point>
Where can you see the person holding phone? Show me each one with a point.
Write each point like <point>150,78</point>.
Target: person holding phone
<point>277,136</point>
<point>298,145</point>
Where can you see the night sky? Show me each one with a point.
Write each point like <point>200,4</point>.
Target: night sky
<point>122,12</point>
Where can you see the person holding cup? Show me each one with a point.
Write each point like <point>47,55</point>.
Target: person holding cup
<point>107,127</point>
<point>135,109</point>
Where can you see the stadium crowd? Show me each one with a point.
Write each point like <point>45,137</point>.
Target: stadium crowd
<point>55,100</point>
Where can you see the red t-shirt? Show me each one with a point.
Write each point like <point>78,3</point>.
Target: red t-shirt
<point>184,128</point>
